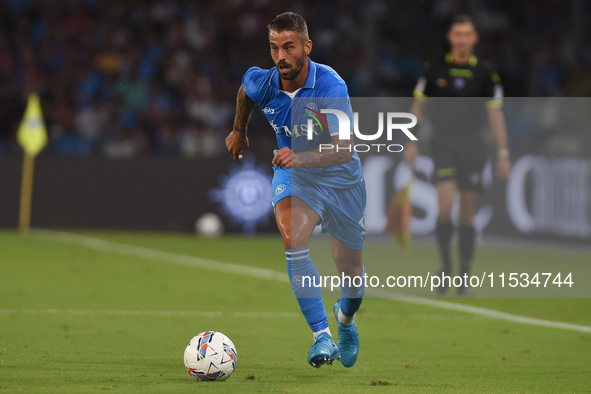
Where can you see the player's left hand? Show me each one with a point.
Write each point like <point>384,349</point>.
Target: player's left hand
<point>503,168</point>
<point>237,143</point>
<point>285,158</point>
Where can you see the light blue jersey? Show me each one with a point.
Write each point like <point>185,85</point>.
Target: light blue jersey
<point>288,114</point>
<point>337,194</point>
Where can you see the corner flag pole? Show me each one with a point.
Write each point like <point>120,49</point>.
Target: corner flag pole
<point>32,136</point>
<point>24,220</point>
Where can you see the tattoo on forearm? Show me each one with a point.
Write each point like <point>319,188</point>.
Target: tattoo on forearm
<point>244,108</point>
<point>341,153</point>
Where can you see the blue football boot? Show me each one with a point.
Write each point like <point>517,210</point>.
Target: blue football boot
<point>324,351</point>
<point>348,339</point>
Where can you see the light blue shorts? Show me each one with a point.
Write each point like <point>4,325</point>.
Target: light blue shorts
<point>341,211</point>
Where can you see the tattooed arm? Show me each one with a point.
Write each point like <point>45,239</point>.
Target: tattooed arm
<point>237,141</point>
<point>327,155</point>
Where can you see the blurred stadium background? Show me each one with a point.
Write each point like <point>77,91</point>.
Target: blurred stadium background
<point>138,97</point>
<point>136,78</point>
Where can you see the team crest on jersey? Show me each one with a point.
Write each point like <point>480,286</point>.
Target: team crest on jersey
<point>310,108</point>
<point>459,83</point>
<point>280,189</point>
<point>312,111</point>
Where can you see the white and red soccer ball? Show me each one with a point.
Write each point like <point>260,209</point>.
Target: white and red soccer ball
<point>210,356</point>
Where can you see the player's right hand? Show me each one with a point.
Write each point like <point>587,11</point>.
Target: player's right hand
<point>411,151</point>
<point>236,143</point>
<point>503,168</point>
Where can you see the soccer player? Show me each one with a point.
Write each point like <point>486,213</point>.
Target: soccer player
<point>458,149</point>
<point>309,187</point>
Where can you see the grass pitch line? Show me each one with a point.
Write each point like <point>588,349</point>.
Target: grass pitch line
<point>491,313</point>
<point>167,257</point>
<point>499,315</point>
<point>91,312</point>
<point>157,255</point>
<point>212,314</point>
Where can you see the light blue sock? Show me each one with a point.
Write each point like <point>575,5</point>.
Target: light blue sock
<point>299,264</point>
<point>351,296</point>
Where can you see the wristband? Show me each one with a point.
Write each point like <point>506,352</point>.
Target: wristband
<point>503,153</point>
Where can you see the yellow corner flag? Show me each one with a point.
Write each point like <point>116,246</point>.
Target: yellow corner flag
<point>32,136</point>
<point>399,213</point>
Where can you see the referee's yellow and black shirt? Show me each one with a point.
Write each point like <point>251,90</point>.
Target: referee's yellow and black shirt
<point>444,78</point>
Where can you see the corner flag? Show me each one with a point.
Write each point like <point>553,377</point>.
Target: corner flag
<point>32,136</point>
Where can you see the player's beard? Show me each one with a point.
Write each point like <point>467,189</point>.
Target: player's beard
<point>295,70</point>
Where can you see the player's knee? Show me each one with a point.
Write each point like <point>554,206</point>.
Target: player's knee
<point>445,205</point>
<point>444,215</point>
<point>293,239</point>
<point>286,235</point>
<point>466,219</point>
<point>352,270</point>
<point>348,261</point>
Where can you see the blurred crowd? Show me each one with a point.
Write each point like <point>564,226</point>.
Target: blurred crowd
<point>125,78</point>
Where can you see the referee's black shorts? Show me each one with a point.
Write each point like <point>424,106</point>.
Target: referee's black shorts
<point>462,160</point>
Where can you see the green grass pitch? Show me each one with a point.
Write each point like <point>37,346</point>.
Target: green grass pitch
<point>78,319</point>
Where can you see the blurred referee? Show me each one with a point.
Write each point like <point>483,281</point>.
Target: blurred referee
<point>458,149</point>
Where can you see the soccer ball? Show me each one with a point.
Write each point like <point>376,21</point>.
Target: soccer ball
<point>210,356</point>
<point>209,225</point>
